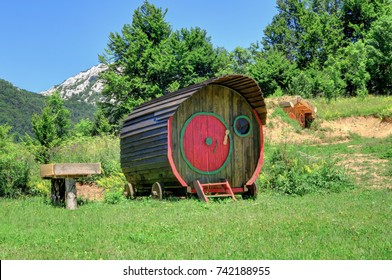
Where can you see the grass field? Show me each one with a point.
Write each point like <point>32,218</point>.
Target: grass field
<point>380,106</point>
<point>353,224</point>
<point>349,225</point>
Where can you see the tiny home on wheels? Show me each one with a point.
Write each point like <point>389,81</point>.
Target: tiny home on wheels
<point>206,139</point>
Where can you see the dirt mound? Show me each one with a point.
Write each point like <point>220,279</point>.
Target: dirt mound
<point>277,131</point>
<point>369,127</point>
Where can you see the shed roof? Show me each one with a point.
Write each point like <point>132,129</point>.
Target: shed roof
<point>168,104</point>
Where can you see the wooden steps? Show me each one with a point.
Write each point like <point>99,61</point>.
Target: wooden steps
<point>202,190</point>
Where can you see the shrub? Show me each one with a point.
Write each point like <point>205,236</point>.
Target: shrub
<point>114,187</point>
<point>104,149</point>
<point>295,173</point>
<point>15,164</point>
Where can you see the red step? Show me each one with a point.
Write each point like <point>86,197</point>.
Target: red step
<point>226,190</point>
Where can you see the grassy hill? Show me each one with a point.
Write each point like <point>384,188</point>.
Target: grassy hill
<point>18,105</point>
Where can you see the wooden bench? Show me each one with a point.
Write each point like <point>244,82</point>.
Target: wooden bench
<point>63,177</point>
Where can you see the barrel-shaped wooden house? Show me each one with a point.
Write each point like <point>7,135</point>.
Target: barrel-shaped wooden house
<point>205,139</point>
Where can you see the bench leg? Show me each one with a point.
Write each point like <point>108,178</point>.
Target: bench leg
<point>57,191</point>
<point>71,202</point>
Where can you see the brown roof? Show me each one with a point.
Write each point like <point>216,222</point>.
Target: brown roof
<point>244,85</point>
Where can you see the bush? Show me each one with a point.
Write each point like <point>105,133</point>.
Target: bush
<point>104,149</point>
<point>295,173</point>
<point>114,187</point>
<point>15,165</point>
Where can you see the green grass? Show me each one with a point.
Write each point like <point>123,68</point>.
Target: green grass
<point>349,225</point>
<point>371,158</point>
<point>279,112</point>
<point>353,224</point>
<point>380,106</point>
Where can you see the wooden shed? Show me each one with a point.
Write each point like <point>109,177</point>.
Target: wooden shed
<point>205,139</point>
<point>300,110</point>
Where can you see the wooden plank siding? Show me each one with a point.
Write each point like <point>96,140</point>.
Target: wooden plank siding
<point>144,136</point>
<point>229,104</point>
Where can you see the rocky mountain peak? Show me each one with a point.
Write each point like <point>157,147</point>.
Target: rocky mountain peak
<point>84,86</point>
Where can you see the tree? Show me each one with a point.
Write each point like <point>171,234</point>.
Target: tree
<point>83,128</point>
<point>272,70</point>
<point>51,127</point>
<point>101,125</point>
<point>358,16</point>
<point>194,57</point>
<point>305,31</point>
<point>354,70</point>
<point>240,60</point>
<point>135,57</point>
<point>147,60</point>
<point>379,49</point>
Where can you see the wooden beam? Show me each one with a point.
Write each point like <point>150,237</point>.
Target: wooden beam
<point>61,170</point>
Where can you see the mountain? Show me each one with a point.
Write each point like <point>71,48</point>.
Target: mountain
<point>17,107</point>
<point>84,86</point>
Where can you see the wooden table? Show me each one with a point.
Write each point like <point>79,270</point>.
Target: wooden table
<point>63,177</point>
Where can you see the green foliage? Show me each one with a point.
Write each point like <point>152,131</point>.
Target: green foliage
<point>51,127</point>
<point>104,149</point>
<point>304,31</point>
<point>279,112</point>
<point>294,173</point>
<point>379,49</point>
<point>358,15</point>
<point>379,106</point>
<point>136,62</point>
<point>354,69</point>
<point>18,106</point>
<point>114,187</point>
<point>272,70</point>
<point>147,60</point>
<point>14,165</point>
<point>101,125</point>
<point>334,47</point>
<point>83,128</point>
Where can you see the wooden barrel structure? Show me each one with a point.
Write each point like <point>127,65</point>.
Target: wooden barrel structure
<point>205,138</point>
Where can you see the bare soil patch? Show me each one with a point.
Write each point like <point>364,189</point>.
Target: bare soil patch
<point>370,127</point>
<point>277,131</point>
<point>90,192</point>
<point>363,166</point>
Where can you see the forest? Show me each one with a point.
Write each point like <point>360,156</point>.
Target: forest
<point>312,48</point>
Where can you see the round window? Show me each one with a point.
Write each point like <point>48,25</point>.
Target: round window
<point>242,126</point>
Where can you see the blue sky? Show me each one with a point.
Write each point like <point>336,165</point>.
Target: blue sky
<point>44,42</point>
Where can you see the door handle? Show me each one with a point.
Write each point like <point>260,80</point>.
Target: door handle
<point>227,132</point>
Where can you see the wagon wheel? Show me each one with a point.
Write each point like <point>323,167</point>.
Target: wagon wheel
<point>251,193</point>
<point>156,191</point>
<point>129,191</point>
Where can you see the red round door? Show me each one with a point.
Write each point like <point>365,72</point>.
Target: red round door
<point>206,143</point>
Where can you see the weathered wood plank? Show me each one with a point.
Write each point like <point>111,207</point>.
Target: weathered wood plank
<point>69,169</point>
